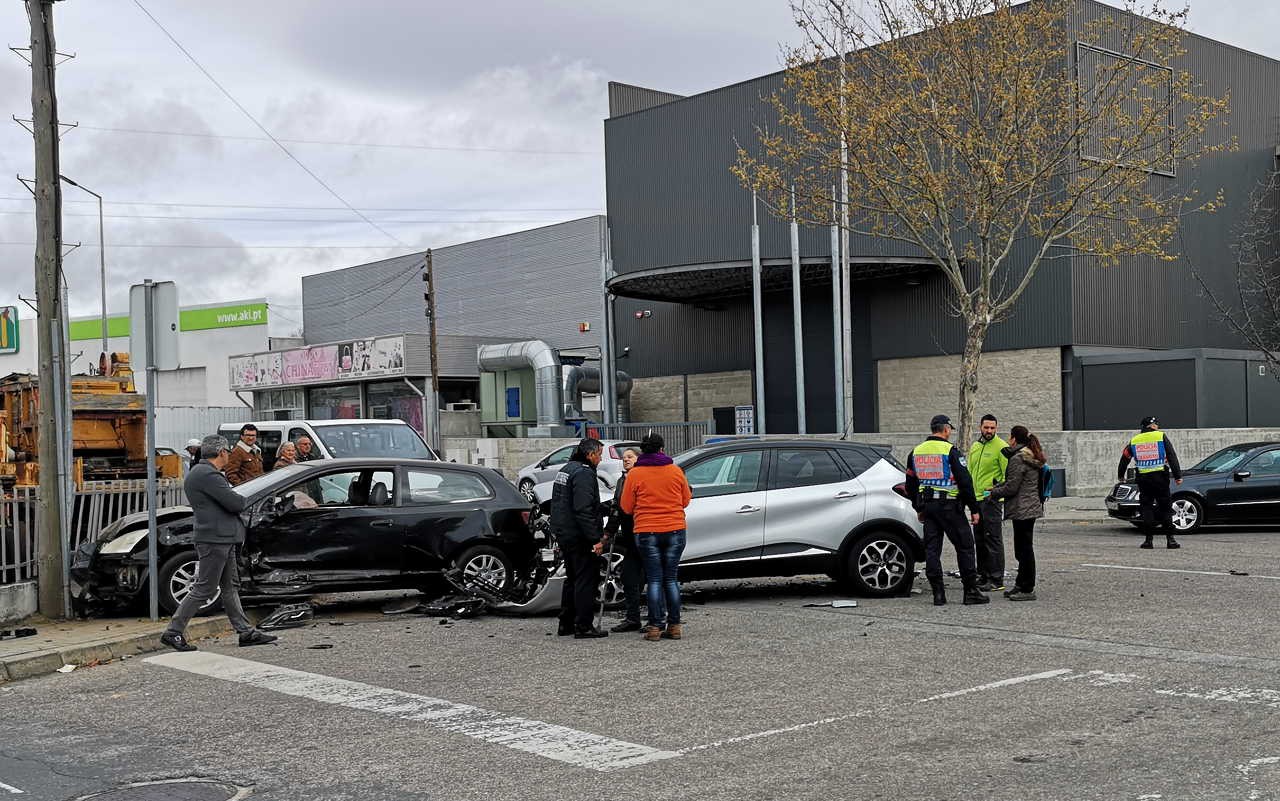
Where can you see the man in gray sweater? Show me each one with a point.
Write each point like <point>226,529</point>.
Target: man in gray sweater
<point>218,536</point>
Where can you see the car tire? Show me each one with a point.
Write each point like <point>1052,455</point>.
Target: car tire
<point>880,564</point>
<point>177,577</point>
<point>1188,514</point>
<point>487,562</point>
<point>526,489</point>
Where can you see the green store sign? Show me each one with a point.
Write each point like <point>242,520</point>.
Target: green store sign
<point>231,316</point>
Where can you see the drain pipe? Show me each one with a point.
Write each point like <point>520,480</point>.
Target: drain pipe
<point>538,355</point>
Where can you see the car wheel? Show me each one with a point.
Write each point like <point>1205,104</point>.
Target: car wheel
<point>1188,514</point>
<point>484,563</point>
<point>880,564</point>
<point>177,577</point>
<point>526,489</point>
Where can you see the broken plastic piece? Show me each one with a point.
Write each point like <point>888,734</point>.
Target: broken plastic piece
<point>66,668</point>
<point>13,634</point>
<point>320,646</point>
<point>401,606</point>
<point>838,604</point>
<point>289,616</point>
<point>1238,573</point>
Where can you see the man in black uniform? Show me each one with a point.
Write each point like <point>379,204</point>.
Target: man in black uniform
<point>1154,456</point>
<point>577,523</point>
<point>940,488</point>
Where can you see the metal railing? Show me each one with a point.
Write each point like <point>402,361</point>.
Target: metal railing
<point>98,504</point>
<point>679,437</point>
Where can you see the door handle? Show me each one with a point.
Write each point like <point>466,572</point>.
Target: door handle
<point>382,524</point>
<point>844,496</point>
<point>746,510</point>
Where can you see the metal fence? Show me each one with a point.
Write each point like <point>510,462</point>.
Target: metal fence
<point>679,437</point>
<point>98,504</point>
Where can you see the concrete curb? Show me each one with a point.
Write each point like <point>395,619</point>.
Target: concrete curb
<point>103,649</point>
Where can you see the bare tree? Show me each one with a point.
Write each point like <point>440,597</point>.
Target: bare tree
<point>991,138</point>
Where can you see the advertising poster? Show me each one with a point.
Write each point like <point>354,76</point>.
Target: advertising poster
<point>257,370</point>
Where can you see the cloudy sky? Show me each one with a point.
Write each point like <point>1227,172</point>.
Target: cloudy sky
<point>441,121</point>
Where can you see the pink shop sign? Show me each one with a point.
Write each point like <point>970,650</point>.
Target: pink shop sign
<point>311,364</point>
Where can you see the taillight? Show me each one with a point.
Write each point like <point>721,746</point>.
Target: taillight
<point>901,489</point>
<point>525,515</point>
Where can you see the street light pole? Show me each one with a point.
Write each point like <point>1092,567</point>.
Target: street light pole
<point>102,258</point>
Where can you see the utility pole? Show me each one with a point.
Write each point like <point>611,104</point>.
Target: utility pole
<point>50,313</point>
<point>102,259</point>
<point>429,276</point>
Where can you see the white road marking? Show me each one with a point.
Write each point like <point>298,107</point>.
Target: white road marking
<point>563,744</point>
<point>1175,570</point>
<point>1048,674</point>
<point>1247,769</point>
<point>1232,695</point>
<point>9,788</point>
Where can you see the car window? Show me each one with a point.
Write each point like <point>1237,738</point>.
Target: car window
<point>1266,463</point>
<point>858,460</point>
<point>725,474</point>
<point>350,488</point>
<point>445,486</point>
<point>805,467</point>
<point>269,442</point>
<point>560,457</point>
<point>1222,461</point>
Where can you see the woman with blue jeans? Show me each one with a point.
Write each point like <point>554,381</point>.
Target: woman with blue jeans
<point>655,495</point>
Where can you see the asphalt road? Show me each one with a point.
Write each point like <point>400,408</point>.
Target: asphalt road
<point>1138,675</point>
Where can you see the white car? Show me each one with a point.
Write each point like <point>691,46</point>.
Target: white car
<point>544,470</point>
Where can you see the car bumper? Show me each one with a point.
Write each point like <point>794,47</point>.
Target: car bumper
<point>1124,510</point>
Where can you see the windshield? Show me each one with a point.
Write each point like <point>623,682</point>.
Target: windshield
<point>278,476</point>
<point>373,439</point>
<point>1223,460</point>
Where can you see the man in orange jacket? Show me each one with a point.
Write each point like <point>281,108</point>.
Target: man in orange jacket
<point>655,495</point>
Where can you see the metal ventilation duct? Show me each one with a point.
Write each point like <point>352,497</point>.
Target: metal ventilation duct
<point>542,358</point>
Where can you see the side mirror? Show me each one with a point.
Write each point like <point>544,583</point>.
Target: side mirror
<point>1241,475</point>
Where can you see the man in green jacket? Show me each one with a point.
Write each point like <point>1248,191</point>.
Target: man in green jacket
<point>987,464</point>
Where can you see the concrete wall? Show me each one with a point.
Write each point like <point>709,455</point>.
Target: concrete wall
<point>17,601</point>
<point>507,455</point>
<point>459,424</point>
<point>688,398</point>
<point>1090,458</point>
<point>1017,386</point>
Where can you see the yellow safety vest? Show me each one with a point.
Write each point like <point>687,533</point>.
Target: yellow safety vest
<point>932,462</point>
<point>1149,452</point>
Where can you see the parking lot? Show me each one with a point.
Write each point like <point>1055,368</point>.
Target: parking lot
<point>1137,675</point>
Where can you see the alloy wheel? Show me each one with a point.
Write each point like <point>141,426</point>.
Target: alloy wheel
<point>526,489</point>
<point>184,579</point>
<point>882,564</point>
<point>485,568</point>
<point>1185,514</point>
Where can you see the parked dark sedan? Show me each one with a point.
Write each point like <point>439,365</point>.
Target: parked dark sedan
<point>332,525</point>
<point>1238,484</point>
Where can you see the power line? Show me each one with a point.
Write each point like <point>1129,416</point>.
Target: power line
<point>264,130</point>
<point>594,209</point>
<point>335,143</point>
<point>88,246</point>
<point>279,220</point>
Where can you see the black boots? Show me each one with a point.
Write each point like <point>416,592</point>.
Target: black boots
<point>1146,544</point>
<point>939,592</point>
<point>1171,543</point>
<point>973,595</point>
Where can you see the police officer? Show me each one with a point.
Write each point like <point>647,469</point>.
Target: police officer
<point>1153,454</point>
<point>940,488</point>
<point>577,523</point>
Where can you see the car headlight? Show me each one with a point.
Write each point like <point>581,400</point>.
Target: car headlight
<point>125,543</point>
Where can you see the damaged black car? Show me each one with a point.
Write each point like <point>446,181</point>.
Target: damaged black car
<point>339,525</point>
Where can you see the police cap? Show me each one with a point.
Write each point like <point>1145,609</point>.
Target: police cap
<point>940,420</point>
<point>1149,421</point>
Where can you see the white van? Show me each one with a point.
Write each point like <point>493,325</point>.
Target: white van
<point>335,439</point>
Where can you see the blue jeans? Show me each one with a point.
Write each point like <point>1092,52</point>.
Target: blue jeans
<point>661,554</point>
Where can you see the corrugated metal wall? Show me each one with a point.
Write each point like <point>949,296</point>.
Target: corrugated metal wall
<point>177,424</point>
<point>536,284</point>
<point>626,99</point>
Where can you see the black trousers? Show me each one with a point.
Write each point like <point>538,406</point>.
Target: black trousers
<point>988,540</point>
<point>1025,554</point>
<point>1154,501</point>
<point>632,577</point>
<point>947,518</point>
<point>581,583</point>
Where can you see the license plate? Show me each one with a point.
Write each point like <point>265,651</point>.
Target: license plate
<point>1112,506</point>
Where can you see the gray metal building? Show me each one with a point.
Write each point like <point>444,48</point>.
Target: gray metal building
<point>680,236</point>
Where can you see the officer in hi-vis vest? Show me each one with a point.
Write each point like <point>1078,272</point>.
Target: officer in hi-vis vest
<point>1154,456</point>
<point>940,488</point>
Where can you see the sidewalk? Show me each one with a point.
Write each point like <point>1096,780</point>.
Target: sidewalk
<point>86,642</point>
<point>1077,509</point>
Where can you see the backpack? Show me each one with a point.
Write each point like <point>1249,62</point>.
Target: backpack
<point>1046,483</point>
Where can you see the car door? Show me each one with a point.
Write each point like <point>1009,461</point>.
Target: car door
<point>551,465</point>
<point>339,529</point>
<point>440,510</point>
<point>1252,490</point>
<point>813,501</point>
<point>725,519</point>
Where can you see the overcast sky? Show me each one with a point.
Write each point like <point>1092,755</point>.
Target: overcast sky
<point>512,93</point>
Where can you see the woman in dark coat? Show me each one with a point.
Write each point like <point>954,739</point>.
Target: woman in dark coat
<point>1021,493</point>
<point>621,527</point>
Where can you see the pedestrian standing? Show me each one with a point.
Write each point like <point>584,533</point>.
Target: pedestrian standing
<point>218,535</point>
<point>987,464</point>
<point>245,461</point>
<point>1156,460</point>
<point>286,455</point>
<point>577,524</point>
<point>193,451</point>
<point>656,494</point>
<point>306,450</point>
<point>940,489</point>
<point>622,535</point>
<point>1023,504</point>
